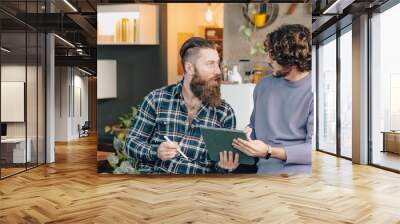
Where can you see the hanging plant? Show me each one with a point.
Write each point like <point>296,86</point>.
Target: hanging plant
<point>257,16</point>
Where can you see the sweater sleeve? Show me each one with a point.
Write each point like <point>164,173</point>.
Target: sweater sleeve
<point>252,117</point>
<point>301,153</point>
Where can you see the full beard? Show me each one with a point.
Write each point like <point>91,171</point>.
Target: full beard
<point>208,91</point>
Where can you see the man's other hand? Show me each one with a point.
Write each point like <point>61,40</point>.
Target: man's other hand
<point>167,150</point>
<point>228,161</point>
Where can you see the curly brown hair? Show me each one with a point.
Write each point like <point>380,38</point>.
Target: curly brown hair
<point>290,45</point>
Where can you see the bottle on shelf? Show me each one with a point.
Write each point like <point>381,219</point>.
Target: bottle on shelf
<point>234,75</point>
<point>258,73</point>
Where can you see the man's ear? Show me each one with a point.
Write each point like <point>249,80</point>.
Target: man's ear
<point>189,68</point>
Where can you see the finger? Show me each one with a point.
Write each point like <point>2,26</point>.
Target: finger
<point>230,158</point>
<point>237,146</point>
<point>221,159</point>
<point>173,154</point>
<point>225,156</point>
<point>164,156</point>
<point>168,155</point>
<point>224,161</point>
<point>240,144</point>
<point>236,159</point>
<point>246,144</point>
<point>172,145</point>
<point>246,150</point>
<point>236,142</point>
<point>170,150</point>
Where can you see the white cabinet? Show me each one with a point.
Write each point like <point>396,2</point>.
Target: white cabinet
<point>240,97</point>
<point>17,147</point>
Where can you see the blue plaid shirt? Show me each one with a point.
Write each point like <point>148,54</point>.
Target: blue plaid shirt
<point>164,113</point>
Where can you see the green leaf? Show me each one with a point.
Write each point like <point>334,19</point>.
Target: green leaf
<point>112,160</point>
<point>121,136</point>
<point>107,129</point>
<point>242,28</point>
<point>117,144</point>
<point>253,50</point>
<point>247,32</point>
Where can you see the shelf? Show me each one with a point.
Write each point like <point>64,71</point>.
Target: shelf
<point>122,44</point>
<point>128,24</point>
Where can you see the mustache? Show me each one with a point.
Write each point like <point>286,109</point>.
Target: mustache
<point>217,77</point>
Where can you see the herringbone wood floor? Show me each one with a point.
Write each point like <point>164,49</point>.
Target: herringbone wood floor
<point>70,191</point>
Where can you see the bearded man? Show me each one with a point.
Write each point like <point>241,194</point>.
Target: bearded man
<point>177,112</point>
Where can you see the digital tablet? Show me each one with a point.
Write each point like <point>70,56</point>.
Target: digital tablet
<point>220,139</point>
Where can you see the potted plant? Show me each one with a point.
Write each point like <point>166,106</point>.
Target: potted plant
<point>119,162</point>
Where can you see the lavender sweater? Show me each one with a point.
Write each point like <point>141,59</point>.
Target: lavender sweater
<point>283,116</point>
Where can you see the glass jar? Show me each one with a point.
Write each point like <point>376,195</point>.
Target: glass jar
<point>244,68</point>
<point>258,73</point>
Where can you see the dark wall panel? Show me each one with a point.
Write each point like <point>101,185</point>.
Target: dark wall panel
<point>140,69</point>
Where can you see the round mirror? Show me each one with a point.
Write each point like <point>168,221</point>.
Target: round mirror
<point>260,15</point>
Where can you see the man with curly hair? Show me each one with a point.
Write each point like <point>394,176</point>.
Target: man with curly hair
<point>281,125</point>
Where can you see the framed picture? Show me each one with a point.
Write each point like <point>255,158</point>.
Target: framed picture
<point>214,33</point>
<point>215,36</point>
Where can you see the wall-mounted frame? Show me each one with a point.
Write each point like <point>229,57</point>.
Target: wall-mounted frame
<point>106,79</point>
<point>12,101</point>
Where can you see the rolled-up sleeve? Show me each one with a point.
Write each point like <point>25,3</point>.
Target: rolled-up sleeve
<point>252,117</point>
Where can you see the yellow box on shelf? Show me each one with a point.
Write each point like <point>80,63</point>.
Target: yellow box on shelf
<point>126,31</point>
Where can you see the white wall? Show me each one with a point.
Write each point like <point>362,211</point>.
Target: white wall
<point>80,83</point>
<point>69,82</point>
<point>61,103</point>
